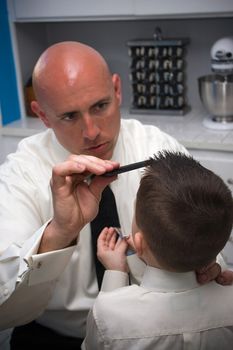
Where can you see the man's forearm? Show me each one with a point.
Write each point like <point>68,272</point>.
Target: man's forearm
<point>54,239</point>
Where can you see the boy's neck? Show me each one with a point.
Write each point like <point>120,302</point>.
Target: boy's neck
<point>150,260</point>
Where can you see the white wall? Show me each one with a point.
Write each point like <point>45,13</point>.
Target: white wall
<point>110,37</point>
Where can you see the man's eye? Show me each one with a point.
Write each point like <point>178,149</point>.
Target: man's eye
<point>69,116</point>
<point>101,106</point>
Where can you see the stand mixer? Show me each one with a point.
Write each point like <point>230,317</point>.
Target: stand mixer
<point>216,90</point>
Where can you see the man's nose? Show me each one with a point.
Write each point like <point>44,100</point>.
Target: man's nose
<point>90,128</point>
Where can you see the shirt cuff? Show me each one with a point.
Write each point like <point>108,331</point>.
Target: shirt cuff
<point>43,267</point>
<point>114,279</point>
<point>48,266</point>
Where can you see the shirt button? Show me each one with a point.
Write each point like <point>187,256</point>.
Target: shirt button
<point>39,264</point>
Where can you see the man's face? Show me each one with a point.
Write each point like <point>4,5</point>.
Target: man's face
<point>85,114</point>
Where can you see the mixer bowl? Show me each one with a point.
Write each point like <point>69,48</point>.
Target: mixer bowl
<point>216,93</point>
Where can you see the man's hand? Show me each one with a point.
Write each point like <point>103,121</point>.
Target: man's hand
<point>225,278</point>
<point>214,272</point>
<point>75,199</point>
<point>111,250</point>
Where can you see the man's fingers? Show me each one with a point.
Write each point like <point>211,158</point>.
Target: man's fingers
<point>94,165</point>
<point>209,274</point>
<point>99,183</point>
<point>81,165</point>
<point>62,170</point>
<point>225,278</point>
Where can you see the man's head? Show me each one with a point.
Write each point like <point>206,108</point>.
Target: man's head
<point>184,212</point>
<point>78,97</point>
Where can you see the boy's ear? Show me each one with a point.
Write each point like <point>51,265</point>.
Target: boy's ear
<point>139,243</point>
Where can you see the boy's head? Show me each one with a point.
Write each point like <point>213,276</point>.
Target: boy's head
<point>184,211</point>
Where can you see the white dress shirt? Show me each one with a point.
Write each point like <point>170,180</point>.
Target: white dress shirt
<point>167,311</point>
<point>65,277</point>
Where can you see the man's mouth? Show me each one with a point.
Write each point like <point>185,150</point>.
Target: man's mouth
<point>102,150</point>
<point>96,147</point>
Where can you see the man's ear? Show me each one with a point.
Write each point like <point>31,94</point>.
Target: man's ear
<point>117,87</point>
<point>40,113</point>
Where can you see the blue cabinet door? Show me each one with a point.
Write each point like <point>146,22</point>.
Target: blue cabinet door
<point>9,99</point>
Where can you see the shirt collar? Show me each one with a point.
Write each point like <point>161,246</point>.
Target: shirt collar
<point>165,281</point>
<point>59,152</point>
<point>118,149</point>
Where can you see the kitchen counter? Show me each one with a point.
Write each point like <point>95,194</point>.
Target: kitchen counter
<point>8,144</point>
<point>188,129</point>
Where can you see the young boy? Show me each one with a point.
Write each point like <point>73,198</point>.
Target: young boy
<point>183,218</point>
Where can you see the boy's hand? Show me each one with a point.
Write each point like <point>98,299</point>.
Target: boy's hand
<point>111,250</point>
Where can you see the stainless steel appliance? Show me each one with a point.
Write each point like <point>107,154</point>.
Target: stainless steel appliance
<point>216,90</point>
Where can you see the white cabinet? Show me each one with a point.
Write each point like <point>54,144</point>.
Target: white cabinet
<point>183,7</point>
<point>55,10</point>
<point>219,162</point>
<point>25,10</point>
<point>222,164</point>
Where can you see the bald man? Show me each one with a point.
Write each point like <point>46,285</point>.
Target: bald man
<point>47,267</point>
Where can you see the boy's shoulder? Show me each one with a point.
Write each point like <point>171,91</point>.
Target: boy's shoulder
<point>122,311</point>
<point>107,303</point>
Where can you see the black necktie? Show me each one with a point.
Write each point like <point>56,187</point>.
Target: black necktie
<point>107,216</point>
